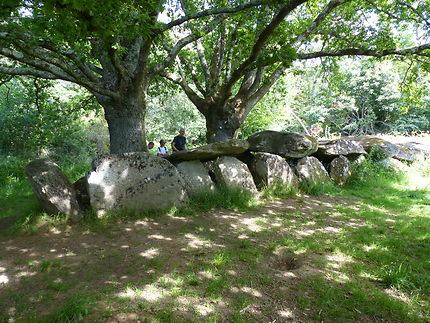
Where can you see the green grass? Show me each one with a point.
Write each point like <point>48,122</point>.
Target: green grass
<point>76,307</point>
<point>369,255</point>
<point>278,190</point>
<point>317,189</point>
<point>230,198</point>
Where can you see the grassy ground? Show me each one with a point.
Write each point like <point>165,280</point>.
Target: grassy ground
<point>356,254</point>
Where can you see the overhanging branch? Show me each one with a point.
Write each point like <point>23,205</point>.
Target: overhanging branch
<point>422,50</point>
<point>208,12</point>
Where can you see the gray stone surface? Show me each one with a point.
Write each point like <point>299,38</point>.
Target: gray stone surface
<point>135,182</point>
<point>231,172</point>
<point>53,189</point>
<point>380,148</point>
<point>337,147</point>
<point>340,170</point>
<point>196,176</point>
<point>230,147</point>
<point>311,170</point>
<point>409,152</point>
<point>394,165</point>
<point>285,144</point>
<point>268,169</point>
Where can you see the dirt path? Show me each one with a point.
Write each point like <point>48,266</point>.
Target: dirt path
<point>217,264</point>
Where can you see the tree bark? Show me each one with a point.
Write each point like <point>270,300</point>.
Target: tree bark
<point>222,122</point>
<point>126,123</point>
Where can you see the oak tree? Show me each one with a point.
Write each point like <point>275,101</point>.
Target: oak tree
<point>227,72</point>
<point>110,48</point>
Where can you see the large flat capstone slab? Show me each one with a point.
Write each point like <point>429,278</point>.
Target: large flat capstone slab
<point>134,182</point>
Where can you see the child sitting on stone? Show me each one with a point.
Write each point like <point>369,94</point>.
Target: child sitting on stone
<point>162,150</point>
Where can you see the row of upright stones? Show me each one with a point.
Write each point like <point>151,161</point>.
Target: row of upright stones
<point>140,181</point>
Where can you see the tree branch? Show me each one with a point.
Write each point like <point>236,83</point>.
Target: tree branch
<point>203,63</point>
<point>45,50</point>
<point>318,20</point>
<point>261,41</point>
<point>198,102</point>
<point>193,76</point>
<point>262,91</point>
<point>157,69</point>
<point>49,69</point>
<point>27,71</point>
<point>418,50</point>
<point>208,12</point>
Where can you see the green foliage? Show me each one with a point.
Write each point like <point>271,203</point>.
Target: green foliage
<point>269,114</point>
<point>319,188</point>
<point>400,277</point>
<point>370,172</point>
<point>224,197</point>
<point>170,111</point>
<point>353,97</point>
<point>40,117</point>
<point>278,190</point>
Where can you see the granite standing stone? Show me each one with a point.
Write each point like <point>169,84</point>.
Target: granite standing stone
<point>329,149</point>
<point>268,169</point>
<point>53,189</point>
<point>380,148</point>
<point>340,170</point>
<point>229,147</point>
<point>231,172</point>
<point>135,182</point>
<point>312,171</point>
<point>196,176</point>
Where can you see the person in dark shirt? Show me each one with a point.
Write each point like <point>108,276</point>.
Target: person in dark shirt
<point>179,141</point>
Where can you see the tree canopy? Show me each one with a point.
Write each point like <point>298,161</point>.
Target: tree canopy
<point>228,53</point>
<point>226,73</point>
<point>110,49</point>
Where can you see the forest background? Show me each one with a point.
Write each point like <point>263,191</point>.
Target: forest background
<point>335,98</point>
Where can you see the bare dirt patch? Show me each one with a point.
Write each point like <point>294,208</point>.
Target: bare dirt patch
<point>220,264</point>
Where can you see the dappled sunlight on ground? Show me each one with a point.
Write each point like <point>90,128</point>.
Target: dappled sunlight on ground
<point>218,265</point>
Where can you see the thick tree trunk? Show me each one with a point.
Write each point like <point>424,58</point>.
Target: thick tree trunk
<point>126,123</point>
<point>222,123</point>
<point>126,132</point>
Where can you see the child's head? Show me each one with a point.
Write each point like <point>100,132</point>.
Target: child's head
<point>162,142</point>
<point>150,145</point>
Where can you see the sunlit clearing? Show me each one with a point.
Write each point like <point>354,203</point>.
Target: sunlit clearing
<point>370,247</point>
<point>415,177</point>
<point>252,224</point>
<point>204,309</point>
<point>55,231</point>
<point>335,264</point>
<point>208,274</point>
<point>338,259</point>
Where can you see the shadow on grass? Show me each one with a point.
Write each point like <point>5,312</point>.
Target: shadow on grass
<point>331,258</point>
